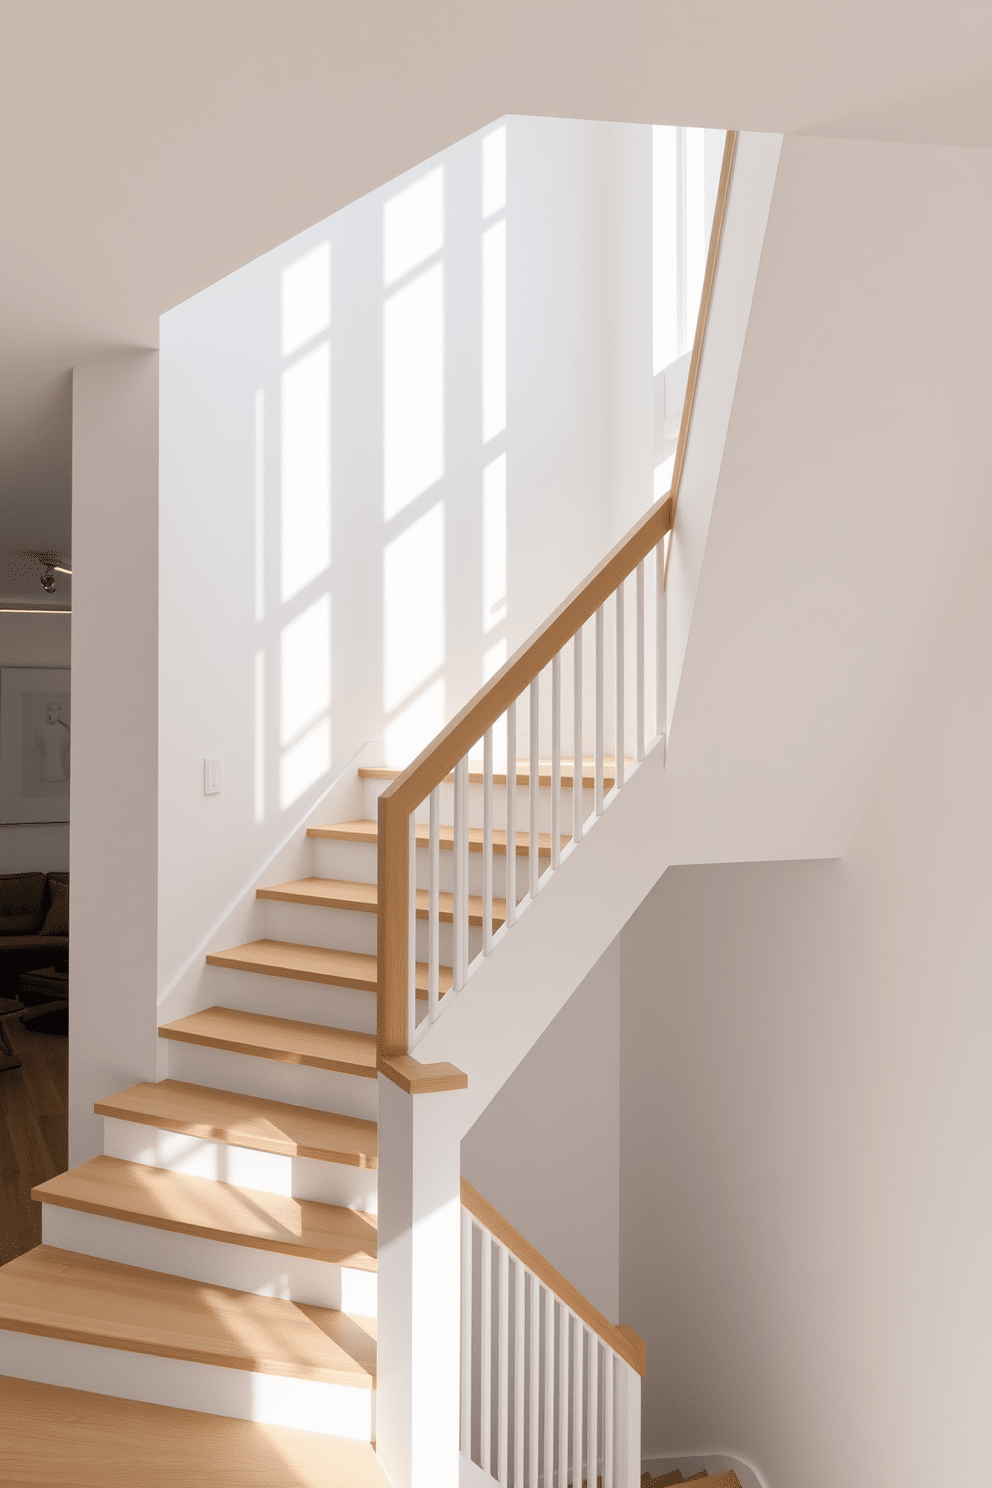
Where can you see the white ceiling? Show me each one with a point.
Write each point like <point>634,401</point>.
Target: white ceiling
<point>149,150</point>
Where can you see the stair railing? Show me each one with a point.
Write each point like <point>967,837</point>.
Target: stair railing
<point>551,1391</point>
<point>400,1025</point>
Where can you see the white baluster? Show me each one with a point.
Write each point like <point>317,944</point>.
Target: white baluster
<point>511,814</point>
<point>600,707</point>
<point>466,1401</point>
<point>411,933</point>
<point>621,663</point>
<point>487,843</point>
<point>534,1436</point>
<point>486,1353</point>
<point>556,760</point>
<point>518,1376</point>
<point>577,1340</point>
<point>503,1405</point>
<point>549,1386</point>
<point>533,863</point>
<point>639,661</point>
<point>459,865</point>
<point>563,1393</point>
<point>592,1458</point>
<point>607,1418</point>
<point>434,904</point>
<point>577,736</point>
<point>660,642</point>
<point>465,863</point>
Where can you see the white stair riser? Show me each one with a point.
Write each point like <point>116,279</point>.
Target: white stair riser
<point>271,1079</point>
<point>475,804</point>
<point>265,1273</point>
<point>311,1405</point>
<point>310,924</point>
<point>351,860</point>
<point>293,1177</point>
<point>345,930</point>
<point>289,997</point>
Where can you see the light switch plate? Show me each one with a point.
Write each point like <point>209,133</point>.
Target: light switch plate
<point>211,777</point>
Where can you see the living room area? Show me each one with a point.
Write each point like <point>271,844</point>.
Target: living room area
<point>35,730</point>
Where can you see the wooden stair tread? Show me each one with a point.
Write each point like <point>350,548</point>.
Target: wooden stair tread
<point>246,1121</point>
<point>336,893</point>
<point>53,1435</point>
<point>162,1199</point>
<point>367,831</point>
<point>386,772</point>
<point>316,964</point>
<point>282,1039</point>
<point>61,1294</point>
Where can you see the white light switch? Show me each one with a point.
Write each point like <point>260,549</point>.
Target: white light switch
<point>211,777</point>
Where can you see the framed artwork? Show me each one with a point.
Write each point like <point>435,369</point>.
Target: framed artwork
<point>35,744</point>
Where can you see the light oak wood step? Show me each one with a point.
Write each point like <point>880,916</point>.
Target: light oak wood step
<point>246,1121</point>
<point>336,893</point>
<point>385,772</point>
<point>52,1435</point>
<point>60,1294</point>
<point>316,964</point>
<point>282,1039</point>
<point>368,832</point>
<point>163,1200</point>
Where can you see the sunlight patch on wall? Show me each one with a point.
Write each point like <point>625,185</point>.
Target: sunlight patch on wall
<point>492,660</point>
<point>304,669</point>
<point>260,504</point>
<point>259,737</point>
<point>414,728</point>
<point>493,330</point>
<point>306,470</point>
<point>494,171</point>
<point>494,543</point>
<point>305,763</point>
<point>305,298</point>
<point>413,226</point>
<point>413,606</point>
<point>413,390</point>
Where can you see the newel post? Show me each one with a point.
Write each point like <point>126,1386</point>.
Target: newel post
<point>418,1372</point>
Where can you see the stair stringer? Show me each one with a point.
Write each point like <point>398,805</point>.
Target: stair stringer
<point>536,965</point>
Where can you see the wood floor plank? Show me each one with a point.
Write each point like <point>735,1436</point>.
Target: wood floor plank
<point>282,1039</point>
<point>246,1121</point>
<point>59,1438</point>
<point>33,1132</point>
<point>60,1294</point>
<point>336,893</point>
<point>226,1212</point>
<point>367,831</point>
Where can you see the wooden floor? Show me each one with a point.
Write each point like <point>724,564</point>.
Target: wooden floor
<point>51,1436</point>
<point>34,1132</point>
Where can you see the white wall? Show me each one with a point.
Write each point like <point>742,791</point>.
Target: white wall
<point>114,834</point>
<point>544,1151</point>
<point>222,504</point>
<point>34,641</point>
<point>805,1124</point>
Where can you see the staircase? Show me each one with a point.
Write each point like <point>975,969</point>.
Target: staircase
<point>221,1256</point>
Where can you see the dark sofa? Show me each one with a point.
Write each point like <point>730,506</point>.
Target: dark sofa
<point>31,908</point>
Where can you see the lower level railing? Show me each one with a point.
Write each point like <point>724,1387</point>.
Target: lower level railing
<point>550,1390</point>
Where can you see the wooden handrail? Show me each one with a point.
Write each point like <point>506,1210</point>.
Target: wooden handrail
<point>437,761</point>
<point>709,278</point>
<point>453,743</point>
<point>620,1338</point>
